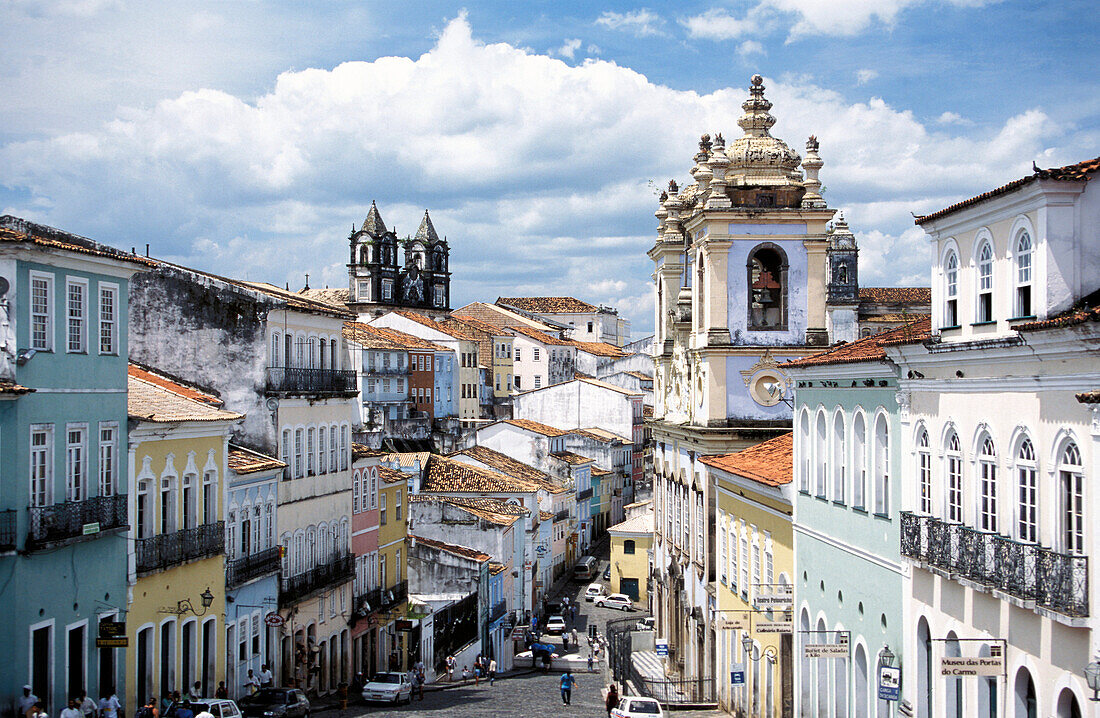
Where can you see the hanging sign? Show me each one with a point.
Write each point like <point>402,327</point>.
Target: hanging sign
<point>972,666</point>
<point>774,627</point>
<point>737,674</point>
<point>274,620</point>
<point>825,650</point>
<point>734,621</point>
<point>661,645</point>
<point>889,683</point>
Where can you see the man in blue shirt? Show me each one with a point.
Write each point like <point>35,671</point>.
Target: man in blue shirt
<point>567,683</point>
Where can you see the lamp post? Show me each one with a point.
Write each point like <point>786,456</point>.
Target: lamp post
<point>887,656</point>
<point>1092,677</point>
<point>184,604</point>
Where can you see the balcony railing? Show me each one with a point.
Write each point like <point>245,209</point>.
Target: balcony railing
<point>394,595</point>
<point>72,519</point>
<point>499,609</point>
<point>165,550</point>
<point>1053,580</point>
<point>246,568</point>
<point>586,494</point>
<point>294,588</point>
<point>7,530</point>
<point>562,515</point>
<point>294,380</point>
<point>367,603</point>
<point>374,370</point>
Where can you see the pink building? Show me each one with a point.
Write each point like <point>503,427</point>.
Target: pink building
<point>364,546</point>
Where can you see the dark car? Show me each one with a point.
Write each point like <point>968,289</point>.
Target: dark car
<point>276,703</point>
<point>607,573</point>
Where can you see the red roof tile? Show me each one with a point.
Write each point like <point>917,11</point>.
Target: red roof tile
<point>18,230</point>
<point>463,551</point>
<point>446,474</point>
<point>771,462</point>
<point>246,461</point>
<point>538,336</point>
<point>536,427</point>
<point>510,467</point>
<point>172,385</point>
<point>10,387</point>
<point>548,305</point>
<point>1088,397</point>
<point>867,348</point>
<point>1065,319</point>
<point>391,476</point>
<point>896,295</point>
<point>602,349</point>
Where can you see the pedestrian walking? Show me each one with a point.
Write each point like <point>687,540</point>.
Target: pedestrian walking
<point>451,664</point>
<point>565,642</point>
<point>266,678</point>
<point>612,700</point>
<point>576,641</point>
<point>567,683</point>
<point>589,661</point>
<point>37,711</point>
<point>251,683</point>
<point>87,705</point>
<point>109,704</point>
<point>492,670</point>
<point>221,691</point>
<point>73,709</point>
<point>27,700</point>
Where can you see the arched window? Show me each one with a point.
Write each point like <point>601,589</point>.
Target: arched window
<point>985,283</point>
<point>767,279</point>
<point>804,436</point>
<point>924,467</point>
<point>1072,480</point>
<point>287,472</point>
<point>954,697</point>
<point>987,477</point>
<point>628,547</point>
<point>840,459</point>
<point>275,346</point>
<point>364,254</point>
<point>859,694</point>
<point>1027,475</point>
<point>1067,706</point>
<point>333,364</point>
<point>311,548</point>
<point>859,462</point>
<point>1023,275</point>
<point>951,290</point>
<point>821,455</point>
<point>1025,704</point>
<point>322,453</point>
<point>882,467</point>
<point>953,478</point>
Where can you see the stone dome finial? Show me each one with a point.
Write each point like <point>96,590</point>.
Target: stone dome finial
<point>756,121</point>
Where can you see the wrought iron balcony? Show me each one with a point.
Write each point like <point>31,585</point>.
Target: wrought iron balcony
<point>7,530</point>
<point>1029,572</point>
<point>499,609</point>
<point>295,588</point>
<point>561,515</point>
<point>586,494</point>
<point>377,370</point>
<point>367,603</point>
<point>394,596</point>
<point>240,571</point>
<point>295,380</point>
<point>73,519</point>
<point>166,550</point>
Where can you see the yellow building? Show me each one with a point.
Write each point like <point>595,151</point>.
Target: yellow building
<point>178,460</point>
<point>393,556</point>
<point>754,561</point>
<point>631,548</point>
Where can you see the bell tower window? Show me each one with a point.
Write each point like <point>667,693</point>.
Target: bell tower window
<point>767,288</point>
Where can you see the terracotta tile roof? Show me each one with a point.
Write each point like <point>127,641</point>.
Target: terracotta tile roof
<point>601,435</point>
<point>1086,310</point>
<point>546,516</point>
<point>535,427</point>
<point>597,471</point>
<point>492,510</point>
<point>297,301</point>
<point>601,349</point>
<point>337,297</point>
<point>475,323</point>
<point>884,318</point>
<point>480,332</point>
<point>510,467</point>
<point>455,329</point>
<point>639,375</point>
<point>369,337</point>
<point>1088,397</point>
<point>498,317</point>
<point>362,451</point>
<point>173,385</point>
<point>19,230</point>
<point>643,524</point>
<point>771,462</point>
<point>548,305</point>
<point>496,568</point>
<point>540,336</point>
<point>1079,172</point>
<point>867,348</point>
<point>463,551</point>
<point>10,387</point>
<point>896,295</point>
<point>150,397</point>
<point>392,476</point>
<point>445,474</point>
<point>571,458</point>
<point>246,461</point>
<point>408,458</point>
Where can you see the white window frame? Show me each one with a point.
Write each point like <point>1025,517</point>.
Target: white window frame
<point>953,470</point>
<point>924,473</point>
<point>46,317</point>
<point>108,458</point>
<point>1027,493</point>
<point>81,335</point>
<point>76,462</point>
<point>987,489</point>
<point>1023,268</point>
<point>984,285</point>
<point>951,289</point>
<point>41,465</point>
<point>1071,490</point>
<point>108,324</point>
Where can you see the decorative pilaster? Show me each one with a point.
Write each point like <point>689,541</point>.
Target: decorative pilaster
<point>812,164</point>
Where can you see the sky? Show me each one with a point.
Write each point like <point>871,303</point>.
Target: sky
<point>246,137</point>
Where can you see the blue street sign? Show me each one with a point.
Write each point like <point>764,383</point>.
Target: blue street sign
<point>662,647</point>
<point>889,683</point>
<point>737,676</point>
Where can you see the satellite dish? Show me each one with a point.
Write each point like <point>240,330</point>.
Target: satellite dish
<point>4,286</point>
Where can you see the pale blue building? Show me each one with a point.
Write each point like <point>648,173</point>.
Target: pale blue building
<point>63,461</point>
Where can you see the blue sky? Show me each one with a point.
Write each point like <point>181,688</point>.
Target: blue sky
<point>246,137</point>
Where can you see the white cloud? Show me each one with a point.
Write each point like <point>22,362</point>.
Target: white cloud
<point>718,24</point>
<point>846,18</point>
<point>750,47</point>
<point>560,200</point>
<point>569,48</point>
<point>641,23</point>
<point>864,76</point>
<point>953,118</point>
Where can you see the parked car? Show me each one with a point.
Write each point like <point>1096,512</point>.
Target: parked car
<point>646,624</point>
<point>637,707</point>
<point>594,591</point>
<point>607,573</point>
<point>555,625</point>
<point>278,702</point>
<point>388,688</point>
<point>616,600</point>
<point>217,707</point>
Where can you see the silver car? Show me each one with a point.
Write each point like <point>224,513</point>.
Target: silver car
<point>388,688</point>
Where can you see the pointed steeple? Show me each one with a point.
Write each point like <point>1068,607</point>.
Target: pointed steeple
<point>373,224</point>
<point>426,233</point>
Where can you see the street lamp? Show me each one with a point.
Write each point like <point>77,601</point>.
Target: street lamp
<point>887,656</point>
<point>768,652</point>
<point>184,605</point>
<point>1092,677</point>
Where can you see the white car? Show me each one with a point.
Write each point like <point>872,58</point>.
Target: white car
<point>388,688</point>
<point>555,625</point>
<point>636,707</point>
<point>616,600</point>
<point>594,591</point>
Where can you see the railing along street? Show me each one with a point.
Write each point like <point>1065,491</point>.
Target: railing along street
<point>159,552</point>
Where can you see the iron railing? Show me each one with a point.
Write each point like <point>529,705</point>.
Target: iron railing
<point>394,596</point>
<point>676,691</point>
<point>561,515</point>
<point>499,609</point>
<point>295,380</point>
<point>586,494</point>
<point>367,603</point>
<point>159,552</point>
<point>376,370</point>
<point>1028,571</point>
<point>246,568</point>
<point>72,519</point>
<point>7,529</point>
<point>294,588</point>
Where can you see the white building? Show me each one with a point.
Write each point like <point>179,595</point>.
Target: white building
<point>586,322</point>
<point>539,359</point>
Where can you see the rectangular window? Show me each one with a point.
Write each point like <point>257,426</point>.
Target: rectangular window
<point>538,381</point>
<point>298,453</point>
<point>76,468</point>
<point>744,562</point>
<point>373,490</point>
<point>387,289</point>
<point>517,354</point>
<point>1029,504</point>
<point>76,292</point>
<point>985,307</point>
<point>311,435</point>
<point>382,518</point>
<point>925,482</point>
<point>397,506</point>
<point>42,312</point>
<point>322,467</point>
<point>535,354</point>
<point>397,567</point>
<point>108,319</point>
<point>41,464</point>
<point>355,491</point>
<point>954,489</point>
<point>343,448</point>
<point>332,448</point>
<point>108,448</point>
<point>287,472</point>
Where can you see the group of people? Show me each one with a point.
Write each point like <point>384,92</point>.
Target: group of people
<point>80,706</point>
<point>483,668</point>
